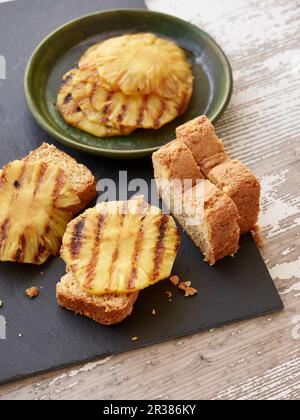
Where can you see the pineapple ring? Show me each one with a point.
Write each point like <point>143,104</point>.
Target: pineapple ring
<point>118,110</point>
<point>35,203</point>
<point>140,64</point>
<point>120,247</point>
<point>73,115</point>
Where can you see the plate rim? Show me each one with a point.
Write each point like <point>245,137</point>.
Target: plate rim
<point>117,153</point>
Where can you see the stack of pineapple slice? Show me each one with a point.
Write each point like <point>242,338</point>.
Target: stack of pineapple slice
<point>124,83</point>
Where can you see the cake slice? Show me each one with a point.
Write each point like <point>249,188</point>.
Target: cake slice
<point>211,219</point>
<point>173,162</point>
<point>200,137</point>
<point>80,177</point>
<point>240,184</point>
<point>230,176</point>
<point>106,310</point>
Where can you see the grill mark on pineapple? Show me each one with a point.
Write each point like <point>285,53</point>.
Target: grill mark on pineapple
<point>183,104</point>
<point>67,79</point>
<point>135,258</point>
<point>159,251</point>
<point>143,109</point>
<point>95,255</point>
<point>118,80</point>
<point>107,108</point>
<point>122,114</point>
<point>42,247</point>
<point>19,257</point>
<point>17,184</point>
<point>68,98</point>
<point>177,241</point>
<point>40,251</point>
<point>163,109</point>
<point>76,239</point>
<point>4,231</point>
<point>42,171</point>
<point>59,181</point>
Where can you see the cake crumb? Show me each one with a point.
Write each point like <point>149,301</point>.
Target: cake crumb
<point>134,338</point>
<point>186,286</point>
<point>169,294</point>
<point>174,280</point>
<point>190,291</point>
<point>32,292</point>
<point>183,285</point>
<point>257,236</point>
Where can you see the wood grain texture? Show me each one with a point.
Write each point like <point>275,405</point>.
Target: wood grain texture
<point>258,359</point>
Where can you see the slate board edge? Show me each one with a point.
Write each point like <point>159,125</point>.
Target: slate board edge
<point>74,363</point>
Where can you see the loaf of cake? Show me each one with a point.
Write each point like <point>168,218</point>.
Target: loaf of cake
<point>206,213</point>
<point>230,176</point>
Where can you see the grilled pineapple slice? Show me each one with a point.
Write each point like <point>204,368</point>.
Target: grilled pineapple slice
<point>139,111</point>
<point>120,247</point>
<point>88,59</point>
<point>73,114</point>
<point>34,202</point>
<point>118,110</point>
<point>141,64</point>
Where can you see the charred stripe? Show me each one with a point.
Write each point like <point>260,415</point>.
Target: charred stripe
<point>42,171</point>
<point>95,255</point>
<point>136,255</point>
<point>76,240</point>
<point>122,113</point>
<point>59,181</point>
<point>161,113</point>
<point>142,111</point>
<point>107,108</point>
<point>19,257</point>
<point>159,252</point>
<point>4,231</point>
<point>183,104</point>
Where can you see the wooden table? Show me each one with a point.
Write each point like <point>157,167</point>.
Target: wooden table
<point>258,359</point>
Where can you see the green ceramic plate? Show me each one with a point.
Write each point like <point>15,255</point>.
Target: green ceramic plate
<point>62,49</point>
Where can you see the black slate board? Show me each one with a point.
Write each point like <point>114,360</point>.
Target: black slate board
<point>235,289</point>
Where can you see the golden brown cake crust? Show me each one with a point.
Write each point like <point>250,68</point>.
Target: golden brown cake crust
<point>79,175</point>
<point>211,162</point>
<point>199,135</point>
<point>175,161</point>
<point>105,311</point>
<point>241,185</point>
